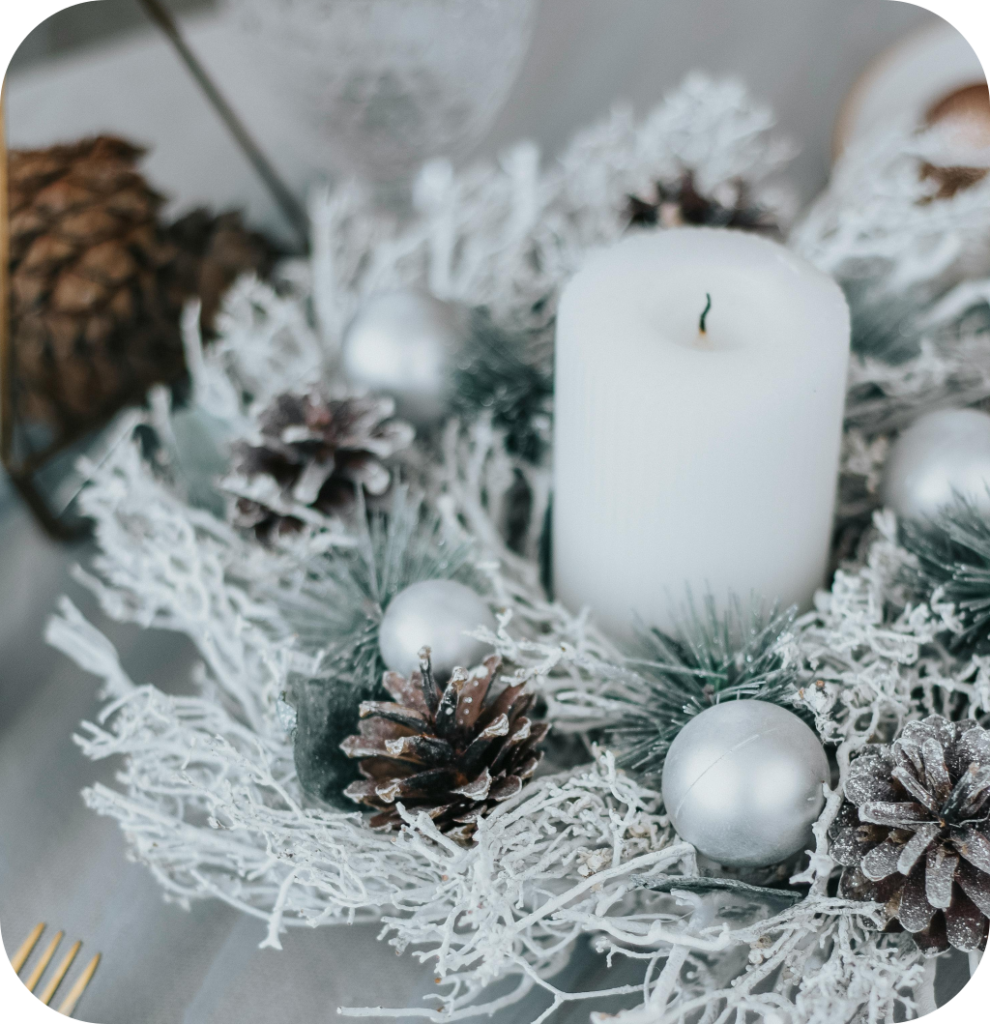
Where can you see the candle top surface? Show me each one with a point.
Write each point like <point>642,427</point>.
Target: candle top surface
<point>654,292</point>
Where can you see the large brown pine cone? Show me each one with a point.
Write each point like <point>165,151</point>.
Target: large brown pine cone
<point>914,833</point>
<point>454,753</point>
<point>97,283</point>
<point>678,203</point>
<point>314,455</point>
<point>92,316</point>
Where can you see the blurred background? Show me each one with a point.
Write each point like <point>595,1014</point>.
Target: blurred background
<point>324,87</point>
<point>536,69</point>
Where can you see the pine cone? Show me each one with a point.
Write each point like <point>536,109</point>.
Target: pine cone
<point>949,181</point>
<point>315,454</point>
<point>965,115</point>
<point>213,251</point>
<point>914,833</point>
<point>93,318</point>
<point>679,203</point>
<point>454,753</point>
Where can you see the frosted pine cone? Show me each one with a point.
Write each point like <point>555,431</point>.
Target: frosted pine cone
<point>454,753</point>
<point>914,833</point>
<point>679,203</point>
<point>315,455</point>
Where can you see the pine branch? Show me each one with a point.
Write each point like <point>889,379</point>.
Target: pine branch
<point>714,657</point>
<point>336,602</point>
<point>885,325</point>
<point>508,375</point>
<point>953,566</point>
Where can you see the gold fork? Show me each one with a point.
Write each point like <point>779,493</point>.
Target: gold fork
<point>19,959</point>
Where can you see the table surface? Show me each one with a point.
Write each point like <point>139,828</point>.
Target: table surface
<point>62,864</point>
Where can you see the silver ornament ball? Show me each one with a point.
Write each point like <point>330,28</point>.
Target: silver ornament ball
<point>743,783</point>
<point>406,344</point>
<point>940,455</point>
<point>434,614</point>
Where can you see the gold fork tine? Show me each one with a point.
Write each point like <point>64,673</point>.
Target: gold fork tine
<point>69,1003</point>
<point>18,960</point>
<point>63,967</point>
<point>35,976</point>
<point>20,956</point>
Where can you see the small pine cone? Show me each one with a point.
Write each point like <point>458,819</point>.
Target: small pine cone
<point>315,455</point>
<point>213,251</point>
<point>914,833</point>
<point>948,181</point>
<point>679,203</point>
<point>454,753</point>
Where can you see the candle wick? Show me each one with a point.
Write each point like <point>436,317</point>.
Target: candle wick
<point>704,314</point>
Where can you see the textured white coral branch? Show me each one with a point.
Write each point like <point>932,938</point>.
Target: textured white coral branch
<point>208,797</point>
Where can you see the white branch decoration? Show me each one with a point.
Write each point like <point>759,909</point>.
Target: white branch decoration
<point>208,796</point>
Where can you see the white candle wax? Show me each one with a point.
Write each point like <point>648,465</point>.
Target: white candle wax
<point>695,461</point>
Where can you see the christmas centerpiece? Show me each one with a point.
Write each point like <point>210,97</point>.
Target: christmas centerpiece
<point>529,614</point>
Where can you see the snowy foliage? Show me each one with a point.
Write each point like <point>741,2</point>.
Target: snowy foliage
<point>507,235</point>
<point>880,217</point>
<point>208,795</point>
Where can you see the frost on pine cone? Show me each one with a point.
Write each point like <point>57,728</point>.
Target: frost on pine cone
<point>454,752</point>
<point>315,455</point>
<point>679,203</point>
<point>914,833</point>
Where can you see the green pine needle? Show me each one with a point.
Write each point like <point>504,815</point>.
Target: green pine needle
<point>737,655</point>
<point>889,325</point>
<point>336,601</point>
<point>506,374</point>
<point>884,327</point>
<point>953,554</point>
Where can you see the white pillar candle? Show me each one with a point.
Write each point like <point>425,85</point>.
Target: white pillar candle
<point>689,460</point>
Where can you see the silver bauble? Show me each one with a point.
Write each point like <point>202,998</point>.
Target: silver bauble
<point>434,614</point>
<point>941,454</point>
<point>743,782</point>
<point>405,344</point>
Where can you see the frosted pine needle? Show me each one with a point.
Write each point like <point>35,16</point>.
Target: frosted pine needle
<point>335,601</point>
<point>713,657</point>
<point>953,567</point>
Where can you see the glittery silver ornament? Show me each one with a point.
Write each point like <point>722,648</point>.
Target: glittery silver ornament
<point>941,454</point>
<point>406,344</point>
<point>435,614</point>
<point>743,782</point>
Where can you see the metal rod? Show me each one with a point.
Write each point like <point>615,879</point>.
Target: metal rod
<point>286,201</point>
